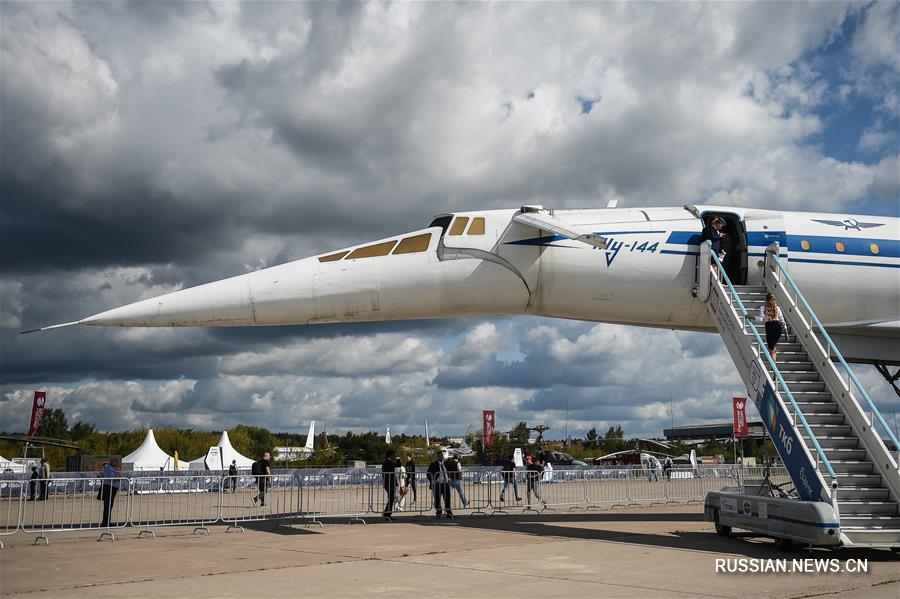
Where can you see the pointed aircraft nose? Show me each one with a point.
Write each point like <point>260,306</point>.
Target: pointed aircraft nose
<point>222,303</point>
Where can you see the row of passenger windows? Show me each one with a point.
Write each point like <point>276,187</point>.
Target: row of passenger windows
<point>407,245</point>
<point>839,246</point>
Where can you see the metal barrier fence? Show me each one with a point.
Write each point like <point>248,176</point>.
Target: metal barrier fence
<point>12,494</point>
<point>256,498</point>
<point>75,504</point>
<point>174,501</point>
<point>201,500</point>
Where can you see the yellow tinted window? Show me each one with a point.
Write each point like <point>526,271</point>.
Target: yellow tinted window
<point>411,245</point>
<point>459,225</point>
<point>839,246</point>
<point>477,226</point>
<point>874,248</point>
<point>370,251</point>
<point>804,244</point>
<point>332,257</point>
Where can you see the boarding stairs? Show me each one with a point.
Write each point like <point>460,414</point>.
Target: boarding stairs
<point>828,432</point>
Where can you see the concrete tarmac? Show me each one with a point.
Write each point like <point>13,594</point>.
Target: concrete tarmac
<point>666,551</point>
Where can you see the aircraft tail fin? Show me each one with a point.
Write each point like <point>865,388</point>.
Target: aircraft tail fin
<point>311,436</point>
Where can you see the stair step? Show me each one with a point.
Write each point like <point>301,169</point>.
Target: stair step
<point>825,418</point>
<point>874,538</point>
<point>831,442</point>
<point>870,521</point>
<point>814,407</point>
<point>863,494</point>
<point>810,394</point>
<point>860,508</point>
<point>858,480</point>
<point>809,386</point>
<point>851,466</point>
<point>845,453</point>
<point>800,376</point>
<point>795,366</point>
<point>830,430</point>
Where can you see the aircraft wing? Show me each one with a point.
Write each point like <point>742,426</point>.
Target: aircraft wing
<point>546,222</point>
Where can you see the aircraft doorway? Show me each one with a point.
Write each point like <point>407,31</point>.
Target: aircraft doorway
<point>734,244</point>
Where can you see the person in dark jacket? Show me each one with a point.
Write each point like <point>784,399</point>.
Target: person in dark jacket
<point>439,482</point>
<point>455,469</point>
<point>389,474</point>
<point>32,483</point>
<point>108,491</point>
<point>411,475</point>
<point>509,476</point>
<point>232,476</point>
<point>263,472</point>
<point>44,479</point>
<point>533,479</point>
<point>713,233</point>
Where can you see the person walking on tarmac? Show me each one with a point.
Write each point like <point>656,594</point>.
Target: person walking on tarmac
<point>263,474</point>
<point>509,476</point>
<point>32,483</point>
<point>108,491</point>
<point>44,479</point>
<point>389,474</point>
<point>533,478</point>
<point>411,475</point>
<point>439,482</point>
<point>455,470</point>
<point>232,475</point>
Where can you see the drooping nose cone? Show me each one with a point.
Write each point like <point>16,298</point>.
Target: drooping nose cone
<point>221,303</point>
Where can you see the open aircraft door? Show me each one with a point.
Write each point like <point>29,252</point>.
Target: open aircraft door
<point>762,229</point>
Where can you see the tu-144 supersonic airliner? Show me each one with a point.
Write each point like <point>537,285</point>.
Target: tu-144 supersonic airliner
<point>632,266</point>
<point>836,276</point>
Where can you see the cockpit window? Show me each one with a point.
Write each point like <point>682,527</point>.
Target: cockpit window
<point>477,226</point>
<point>333,257</point>
<point>411,245</point>
<point>459,225</point>
<point>370,251</point>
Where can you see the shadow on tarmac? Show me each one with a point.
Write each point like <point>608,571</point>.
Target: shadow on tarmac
<point>567,526</point>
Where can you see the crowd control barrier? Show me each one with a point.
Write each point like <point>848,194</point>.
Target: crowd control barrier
<point>12,494</point>
<point>77,504</point>
<point>256,498</point>
<point>192,500</point>
<point>201,500</point>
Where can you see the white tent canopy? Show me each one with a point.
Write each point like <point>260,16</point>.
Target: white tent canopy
<point>149,456</point>
<point>229,453</point>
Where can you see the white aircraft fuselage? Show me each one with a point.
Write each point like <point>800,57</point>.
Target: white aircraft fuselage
<point>490,262</point>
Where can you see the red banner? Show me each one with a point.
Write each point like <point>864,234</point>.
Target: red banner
<point>488,432</point>
<point>741,431</point>
<point>37,412</point>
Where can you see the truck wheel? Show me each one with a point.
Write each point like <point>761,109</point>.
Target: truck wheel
<point>721,529</point>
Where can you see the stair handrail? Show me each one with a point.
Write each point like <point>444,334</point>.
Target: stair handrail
<point>832,348</point>
<point>798,413</point>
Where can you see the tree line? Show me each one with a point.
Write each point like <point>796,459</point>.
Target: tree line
<point>369,447</point>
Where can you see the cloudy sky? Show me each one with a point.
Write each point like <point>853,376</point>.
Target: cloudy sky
<point>146,147</point>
